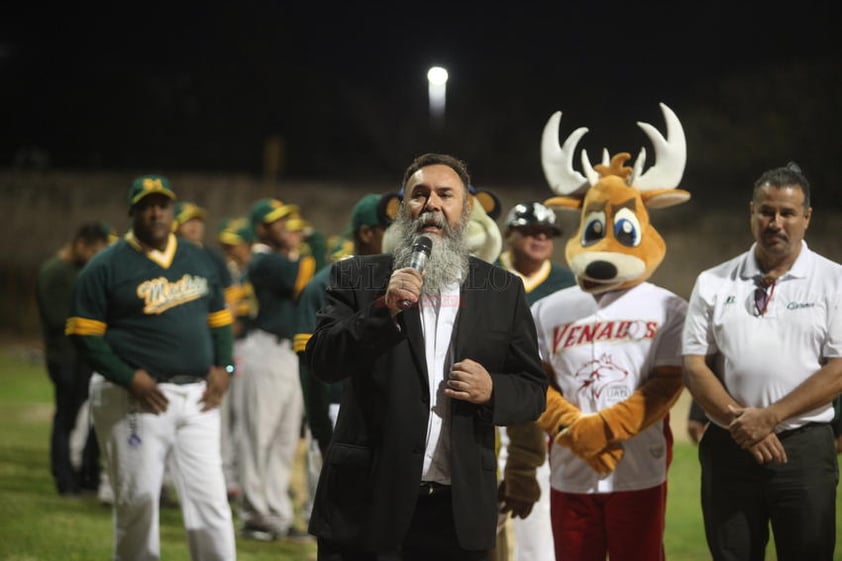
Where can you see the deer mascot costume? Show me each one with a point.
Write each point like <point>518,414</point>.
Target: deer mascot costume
<point>611,346</point>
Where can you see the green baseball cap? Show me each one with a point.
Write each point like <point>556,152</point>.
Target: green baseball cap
<point>185,211</point>
<point>366,213</point>
<point>235,231</point>
<point>146,185</point>
<point>266,211</point>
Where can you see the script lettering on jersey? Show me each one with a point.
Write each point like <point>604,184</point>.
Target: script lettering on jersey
<point>573,334</point>
<point>159,295</point>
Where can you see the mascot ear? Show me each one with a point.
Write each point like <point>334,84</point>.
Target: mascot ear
<point>565,202</point>
<point>489,203</point>
<point>482,235</point>
<point>662,198</point>
<point>387,208</point>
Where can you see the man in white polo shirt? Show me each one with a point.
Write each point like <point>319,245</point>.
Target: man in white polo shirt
<point>762,347</point>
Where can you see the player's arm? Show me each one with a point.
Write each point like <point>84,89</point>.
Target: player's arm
<point>222,336</point>
<point>105,361</point>
<point>89,338</point>
<point>220,323</point>
<point>316,393</point>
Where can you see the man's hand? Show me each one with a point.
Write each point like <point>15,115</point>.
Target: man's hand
<point>769,450</point>
<point>145,389</point>
<point>404,290</point>
<point>469,381</point>
<point>216,387</point>
<point>750,425</point>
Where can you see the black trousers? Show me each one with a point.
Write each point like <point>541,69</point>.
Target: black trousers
<point>70,383</point>
<point>431,537</point>
<point>741,498</point>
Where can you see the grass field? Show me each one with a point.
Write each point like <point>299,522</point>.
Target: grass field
<point>38,525</point>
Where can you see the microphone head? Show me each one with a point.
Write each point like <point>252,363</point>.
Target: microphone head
<point>423,244</point>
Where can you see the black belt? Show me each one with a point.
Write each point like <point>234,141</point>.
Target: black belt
<point>802,428</point>
<point>181,380</point>
<point>428,488</point>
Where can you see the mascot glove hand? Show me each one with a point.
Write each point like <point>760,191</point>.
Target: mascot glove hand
<point>605,462</point>
<point>558,414</point>
<point>518,503</point>
<point>586,437</point>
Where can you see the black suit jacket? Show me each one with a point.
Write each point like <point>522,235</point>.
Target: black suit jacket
<point>369,481</point>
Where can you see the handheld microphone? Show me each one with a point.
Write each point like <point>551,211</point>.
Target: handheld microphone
<point>420,253</point>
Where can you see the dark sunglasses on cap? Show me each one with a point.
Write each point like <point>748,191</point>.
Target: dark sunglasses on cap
<point>535,231</point>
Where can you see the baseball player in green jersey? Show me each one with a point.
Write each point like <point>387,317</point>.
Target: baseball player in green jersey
<point>235,237</point>
<point>149,315</point>
<point>189,224</point>
<point>321,401</point>
<point>70,375</point>
<point>273,417</point>
<point>529,232</point>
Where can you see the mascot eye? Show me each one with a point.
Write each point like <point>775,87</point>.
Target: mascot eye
<point>627,228</point>
<point>594,228</point>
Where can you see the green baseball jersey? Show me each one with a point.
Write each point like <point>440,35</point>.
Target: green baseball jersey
<point>154,310</point>
<point>550,278</point>
<point>317,395</point>
<point>558,278</point>
<point>277,281</point>
<point>242,303</point>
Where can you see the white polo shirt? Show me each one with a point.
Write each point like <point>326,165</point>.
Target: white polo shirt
<point>601,351</point>
<point>762,358</point>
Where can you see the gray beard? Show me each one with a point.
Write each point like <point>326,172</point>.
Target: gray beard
<point>448,260</point>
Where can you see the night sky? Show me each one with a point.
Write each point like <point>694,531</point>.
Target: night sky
<point>144,86</point>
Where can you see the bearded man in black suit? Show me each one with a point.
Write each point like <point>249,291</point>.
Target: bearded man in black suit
<point>432,360</point>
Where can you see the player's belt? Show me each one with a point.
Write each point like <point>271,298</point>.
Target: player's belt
<point>181,380</point>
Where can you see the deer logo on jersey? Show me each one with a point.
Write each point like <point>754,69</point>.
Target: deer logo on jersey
<point>600,376</point>
<point>615,246</point>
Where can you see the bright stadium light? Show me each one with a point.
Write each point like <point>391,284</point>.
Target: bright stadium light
<point>437,83</point>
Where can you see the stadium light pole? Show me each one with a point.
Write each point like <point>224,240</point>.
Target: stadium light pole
<point>436,86</point>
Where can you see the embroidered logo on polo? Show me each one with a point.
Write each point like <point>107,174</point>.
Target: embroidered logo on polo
<point>571,335</point>
<point>159,295</point>
<point>800,305</point>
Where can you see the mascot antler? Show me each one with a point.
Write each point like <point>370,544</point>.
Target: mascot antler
<point>670,158</point>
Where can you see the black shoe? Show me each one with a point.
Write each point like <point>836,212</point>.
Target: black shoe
<point>74,493</point>
<point>257,530</point>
